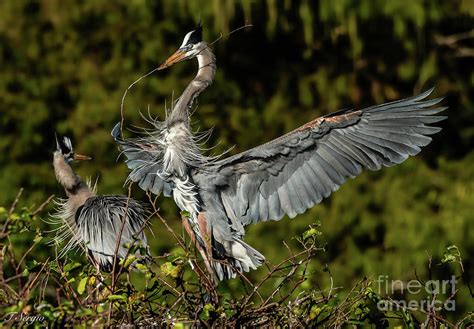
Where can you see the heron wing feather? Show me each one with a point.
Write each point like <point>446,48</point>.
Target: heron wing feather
<point>144,159</point>
<point>296,171</point>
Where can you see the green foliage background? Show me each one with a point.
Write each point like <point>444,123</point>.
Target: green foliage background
<point>65,65</point>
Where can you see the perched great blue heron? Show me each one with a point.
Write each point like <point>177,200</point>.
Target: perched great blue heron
<point>285,176</point>
<point>94,222</point>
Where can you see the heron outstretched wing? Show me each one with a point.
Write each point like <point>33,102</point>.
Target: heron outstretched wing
<point>296,171</point>
<point>144,159</point>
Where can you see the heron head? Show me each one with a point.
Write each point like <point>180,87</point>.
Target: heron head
<point>192,45</point>
<point>64,147</point>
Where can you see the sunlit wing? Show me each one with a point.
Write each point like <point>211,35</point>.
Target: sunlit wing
<point>296,171</point>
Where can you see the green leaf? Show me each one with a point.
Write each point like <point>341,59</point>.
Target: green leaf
<point>153,287</point>
<point>129,260</point>
<point>142,268</point>
<point>312,232</point>
<point>33,265</point>
<point>206,312</point>
<point>71,266</point>
<point>117,297</point>
<point>451,255</point>
<point>170,270</point>
<point>81,287</point>
<point>185,214</point>
<point>48,315</point>
<point>101,308</point>
<point>448,258</point>
<point>37,238</point>
<point>314,312</point>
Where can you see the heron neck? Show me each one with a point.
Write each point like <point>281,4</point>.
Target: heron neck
<point>204,77</point>
<point>74,186</point>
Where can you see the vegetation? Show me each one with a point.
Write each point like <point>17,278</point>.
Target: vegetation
<point>65,66</point>
<point>175,290</point>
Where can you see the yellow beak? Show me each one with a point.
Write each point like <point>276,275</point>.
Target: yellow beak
<point>178,56</point>
<point>79,157</point>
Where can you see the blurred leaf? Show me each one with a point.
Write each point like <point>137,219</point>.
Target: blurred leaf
<point>117,297</point>
<point>207,312</point>
<point>71,266</point>
<point>142,268</point>
<point>33,266</point>
<point>81,287</point>
<point>170,270</point>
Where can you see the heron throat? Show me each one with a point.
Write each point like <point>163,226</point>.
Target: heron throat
<point>204,78</point>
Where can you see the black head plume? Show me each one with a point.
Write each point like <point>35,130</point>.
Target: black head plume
<point>190,48</point>
<point>193,37</point>
<point>65,147</point>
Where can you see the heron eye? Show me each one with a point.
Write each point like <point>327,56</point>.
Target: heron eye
<point>187,47</point>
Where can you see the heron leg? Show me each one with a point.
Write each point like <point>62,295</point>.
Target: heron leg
<point>204,254</point>
<point>202,223</point>
<point>189,230</point>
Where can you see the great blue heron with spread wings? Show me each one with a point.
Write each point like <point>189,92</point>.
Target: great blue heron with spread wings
<point>97,223</point>
<point>285,176</point>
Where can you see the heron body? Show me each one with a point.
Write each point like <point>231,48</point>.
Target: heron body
<point>94,222</point>
<point>285,176</point>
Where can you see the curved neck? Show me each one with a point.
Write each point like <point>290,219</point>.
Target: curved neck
<point>204,77</point>
<point>72,183</point>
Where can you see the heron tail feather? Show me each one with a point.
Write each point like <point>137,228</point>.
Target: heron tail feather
<point>242,258</point>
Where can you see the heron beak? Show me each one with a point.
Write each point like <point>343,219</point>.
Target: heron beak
<point>178,56</point>
<point>79,157</point>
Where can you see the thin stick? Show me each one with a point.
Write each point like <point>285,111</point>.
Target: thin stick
<point>135,240</point>
<point>156,69</point>
<point>119,236</point>
<point>41,207</point>
<point>12,209</point>
<point>231,32</point>
<point>181,243</point>
<point>24,256</point>
<point>15,202</point>
<point>122,118</point>
<point>117,246</point>
<point>277,268</point>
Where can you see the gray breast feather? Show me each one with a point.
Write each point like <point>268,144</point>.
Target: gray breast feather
<point>100,220</point>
